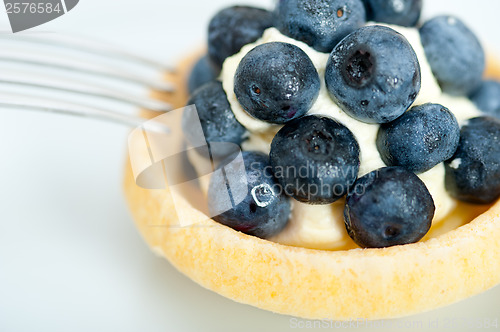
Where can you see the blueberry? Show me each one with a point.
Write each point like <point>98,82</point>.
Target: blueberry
<point>217,119</point>
<point>487,98</point>
<point>234,27</point>
<point>473,174</point>
<point>420,139</point>
<point>373,74</point>
<point>387,207</point>
<point>315,159</point>
<point>203,72</point>
<point>262,210</point>
<point>399,12</point>
<point>454,54</point>
<point>276,82</point>
<point>319,23</point>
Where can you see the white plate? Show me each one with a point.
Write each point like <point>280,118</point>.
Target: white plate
<point>70,256</point>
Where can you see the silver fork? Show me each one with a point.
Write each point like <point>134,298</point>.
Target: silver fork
<point>60,63</point>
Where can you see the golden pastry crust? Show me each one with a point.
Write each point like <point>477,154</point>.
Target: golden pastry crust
<point>318,284</point>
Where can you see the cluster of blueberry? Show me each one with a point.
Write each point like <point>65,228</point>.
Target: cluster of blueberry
<point>373,74</point>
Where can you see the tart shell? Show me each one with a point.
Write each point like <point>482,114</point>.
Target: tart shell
<point>319,284</point>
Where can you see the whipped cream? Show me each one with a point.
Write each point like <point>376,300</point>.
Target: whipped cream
<point>322,226</point>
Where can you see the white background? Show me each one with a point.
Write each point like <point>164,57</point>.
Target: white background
<point>70,256</point>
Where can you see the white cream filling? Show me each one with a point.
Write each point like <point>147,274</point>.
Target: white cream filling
<point>322,226</point>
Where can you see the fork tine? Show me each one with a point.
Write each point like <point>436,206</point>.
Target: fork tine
<point>106,61</point>
<point>28,102</point>
<point>86,45</point>
<point>64,84</point>
<point>74,64</point>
